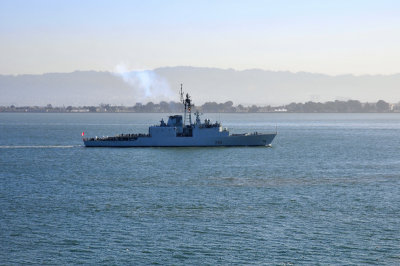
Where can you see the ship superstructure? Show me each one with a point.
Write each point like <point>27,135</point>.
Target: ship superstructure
<point>179,131</point>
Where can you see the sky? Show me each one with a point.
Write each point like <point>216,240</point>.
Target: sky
<point>330,37</point>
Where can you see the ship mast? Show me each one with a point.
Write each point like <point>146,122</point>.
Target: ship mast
<point>187,102</point>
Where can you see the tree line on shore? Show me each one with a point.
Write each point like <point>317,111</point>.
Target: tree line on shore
<point>350,106</point>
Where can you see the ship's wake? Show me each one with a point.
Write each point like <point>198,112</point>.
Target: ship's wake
<point>37,146</point>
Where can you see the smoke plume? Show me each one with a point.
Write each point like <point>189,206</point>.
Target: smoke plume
<point>147,85</point>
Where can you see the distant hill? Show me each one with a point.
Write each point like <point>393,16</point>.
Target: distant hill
<point>76,88</point>
<point>246,87</point>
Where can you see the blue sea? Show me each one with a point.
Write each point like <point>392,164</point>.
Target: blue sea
<point>326,192</point>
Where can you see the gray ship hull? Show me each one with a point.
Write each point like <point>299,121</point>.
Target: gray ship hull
<point>148,141</point>
<point>179,131</point>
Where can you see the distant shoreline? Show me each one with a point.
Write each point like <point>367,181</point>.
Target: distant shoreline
<point>350,106</point>
<point>239,113</point>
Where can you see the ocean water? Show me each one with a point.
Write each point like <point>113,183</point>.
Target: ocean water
<point>326,192</point>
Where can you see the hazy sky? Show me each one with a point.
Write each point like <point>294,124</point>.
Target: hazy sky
<point>332,37</point>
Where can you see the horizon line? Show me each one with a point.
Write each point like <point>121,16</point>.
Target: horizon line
<point>204,67</point>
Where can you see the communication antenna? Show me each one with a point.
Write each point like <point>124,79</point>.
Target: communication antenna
<point>187,115</point>
<point>181,93</point>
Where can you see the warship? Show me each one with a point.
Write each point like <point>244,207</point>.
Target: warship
<point>179,131</point>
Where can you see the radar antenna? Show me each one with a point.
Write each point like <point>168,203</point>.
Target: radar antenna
<point>197,115</point>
